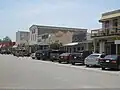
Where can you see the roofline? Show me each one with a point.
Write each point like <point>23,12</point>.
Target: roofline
<point>111,12</point>
<point>23,31</point>
<point>46,26</point>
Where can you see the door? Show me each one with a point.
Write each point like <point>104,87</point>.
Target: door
<point>113,49</point>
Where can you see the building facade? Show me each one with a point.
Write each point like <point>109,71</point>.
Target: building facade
<point>104,38</point>
<point>74,47</point>
<point>45,35</point>
<point>22,38</point>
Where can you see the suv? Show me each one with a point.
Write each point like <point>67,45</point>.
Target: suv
<point>76,58</point>
<point>54,54</point>
<point>42,54</point>
<point>80,57</point>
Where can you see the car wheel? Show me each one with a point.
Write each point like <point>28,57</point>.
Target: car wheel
<point>59,61</point>
<point>52,60</point>
<point>38,58</point>
<point>118,67</point>
<point>33,58</point>
<point>103,68</point>
<point>87,65</point>
<point>73,63</point>
<point>67,62</point>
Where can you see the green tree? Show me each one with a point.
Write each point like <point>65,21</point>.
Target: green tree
<point>0,40</point>
<point>55,45</point>
<point>6,39</point>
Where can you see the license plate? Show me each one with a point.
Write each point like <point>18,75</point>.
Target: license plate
<point>107,61</point>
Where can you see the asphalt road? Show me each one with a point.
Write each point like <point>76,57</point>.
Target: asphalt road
<point>25,73</point>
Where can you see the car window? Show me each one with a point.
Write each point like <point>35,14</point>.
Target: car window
<point>64,54</point>
<point>111,57</point>
<point>93,56</point>
<point>102,56</point>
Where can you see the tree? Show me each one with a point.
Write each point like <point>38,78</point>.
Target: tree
<point>55,45</point>
<point>6,39</point>
<point>0,40</point>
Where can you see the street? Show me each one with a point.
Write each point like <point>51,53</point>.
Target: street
<point>25,73</point>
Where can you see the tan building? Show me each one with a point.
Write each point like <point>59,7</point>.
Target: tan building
<point>106,37</point>
<point>22,37</point>
<point>44,35</point>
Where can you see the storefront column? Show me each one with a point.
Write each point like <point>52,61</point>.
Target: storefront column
<point>116,49</point>
<point>87,46</point>
<point>102,47</point>
<point>94,44</point>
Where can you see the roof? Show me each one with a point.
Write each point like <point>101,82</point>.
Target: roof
<point>61,28</point>
<point>71,44</point>
<point>111,14</point>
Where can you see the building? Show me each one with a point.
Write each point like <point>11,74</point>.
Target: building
<point>44,35</point>
<point>105,38</point>
<point>85,45</point>
<point>22,38</point>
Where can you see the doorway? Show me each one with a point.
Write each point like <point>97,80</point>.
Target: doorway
<point>113,49</point>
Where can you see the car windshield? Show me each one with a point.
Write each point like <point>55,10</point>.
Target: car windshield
<point>65,54</point>
<point>93,56</point>
<point>111,57</point>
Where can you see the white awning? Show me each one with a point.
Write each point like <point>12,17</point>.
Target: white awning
<point>14,46</point>
<point>71,44</point>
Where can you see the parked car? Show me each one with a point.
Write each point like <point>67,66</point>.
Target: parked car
<point>93,59</point>
<point>80,57</point>
<point>54,54</point>
<point>65,57</point>
<point>42,54</point>
<point>38,54</point>
<point>110,61</point>
<point>32,55</point>
<point>76,58</point>
<point>3,52</point>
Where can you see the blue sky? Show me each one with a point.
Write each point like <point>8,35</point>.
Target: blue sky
<point>21,14</point>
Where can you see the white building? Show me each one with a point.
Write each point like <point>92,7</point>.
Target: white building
<point>104,39</point>
<point>41,35</point>
<point>22,37</point>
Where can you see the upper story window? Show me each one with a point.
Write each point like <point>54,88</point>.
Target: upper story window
<point>106,24</point>
<point>45,36</point>
<point>115,22</point>
<point>33,31</point>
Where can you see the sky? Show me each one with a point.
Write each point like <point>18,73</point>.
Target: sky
<point>21,14</point>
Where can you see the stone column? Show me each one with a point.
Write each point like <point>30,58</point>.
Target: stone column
<point>94,44</point>
<point>102,46</point>
<point>116,49</point>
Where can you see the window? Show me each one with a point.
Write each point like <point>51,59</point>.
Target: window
<point>78,48</point>
<point>115,24</point>
<point>31,37</point>
<point>102,56</point>
<point>82,48</point>
<point>111,57</point>
<point>33,31</point>
<point>106,24</point>
<point>35,37</point>
<point>93,56</point>
<point>74,49</point>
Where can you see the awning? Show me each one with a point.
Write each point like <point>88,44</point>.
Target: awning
<point>14,46</point>
<point>71,44</point>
